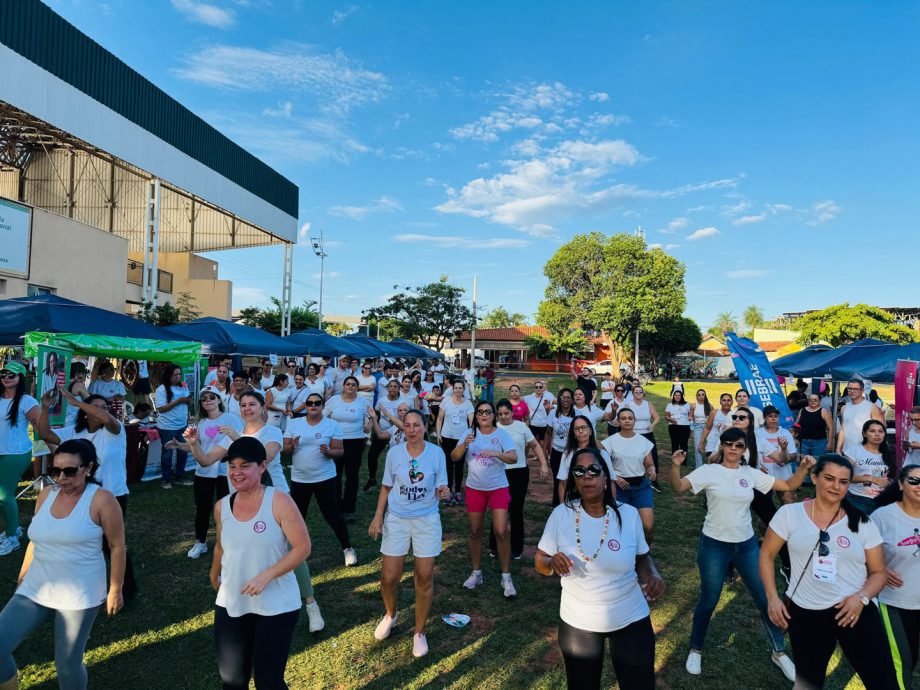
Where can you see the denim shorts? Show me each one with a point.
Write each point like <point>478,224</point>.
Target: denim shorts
<point>638,496</point>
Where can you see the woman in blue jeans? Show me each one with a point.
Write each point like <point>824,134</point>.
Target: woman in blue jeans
<point>815,424</point>
<point>728,537</point>
<point>171,399</point>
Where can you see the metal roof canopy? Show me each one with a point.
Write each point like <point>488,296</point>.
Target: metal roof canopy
<point>84,135</point>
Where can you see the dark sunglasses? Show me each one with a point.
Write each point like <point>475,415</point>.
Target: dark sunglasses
<point>594,470</point>
<point>66,471</point>
<point>313,403</point>
<point>913,481</point>
<point>484,412</point>
<point>740,445</point>
<point>8,375</point>
<point>619,390</point>
<point>739,417</point>
<point>823,538</point>
<point>208,397</point>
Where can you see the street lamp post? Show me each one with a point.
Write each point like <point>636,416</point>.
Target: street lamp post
<point>319,249</point>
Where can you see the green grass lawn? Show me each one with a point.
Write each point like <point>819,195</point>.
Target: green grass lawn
<point>164,639</point>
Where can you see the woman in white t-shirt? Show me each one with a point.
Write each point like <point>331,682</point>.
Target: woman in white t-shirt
<point>414,477</point>
<point>203,442</point>
<point>631,454</point>
<point>454,421</point>
<point>261,540</point>
<point>646,419</point>
<point>596,546</point>
<point>486,450</point>
<point>351,412</point>
<point>277,396</point>
<point>728,537</point>
<point>584,408</point>
<point>367,384</point>
<point>838,568</point>
<point>314,442</point>
<point>539,403</point>
<point>718,421</point>
<point>171,400</point>
<point>873,465</point>
<point>558,422</point>
<point>677,414</point>
<point>17,412</point>
<point>518,475</point>
<point>897,516</point>
<point>700,410</point>
<point>581,435</point>
<point>106,385</point>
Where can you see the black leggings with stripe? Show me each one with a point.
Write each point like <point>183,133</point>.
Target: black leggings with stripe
<point>902,627</point>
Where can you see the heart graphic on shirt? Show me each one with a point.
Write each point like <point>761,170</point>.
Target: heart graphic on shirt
<point>211,432</point>
<point>415,476</point>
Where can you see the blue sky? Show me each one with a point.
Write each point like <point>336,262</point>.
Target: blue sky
<point>770,146</point>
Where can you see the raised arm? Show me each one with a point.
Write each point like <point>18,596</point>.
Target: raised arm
<point>678,484</point>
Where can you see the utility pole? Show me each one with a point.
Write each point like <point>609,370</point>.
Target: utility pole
<point>636,365</point>
<point>319,249</point>
<point>473,331</point>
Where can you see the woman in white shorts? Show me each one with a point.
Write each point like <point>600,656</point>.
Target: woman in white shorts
<point>414,478</point>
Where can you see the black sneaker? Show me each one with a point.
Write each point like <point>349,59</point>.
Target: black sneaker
<point>656,487</point>
<point>516,556</point>
<point>369,485</point>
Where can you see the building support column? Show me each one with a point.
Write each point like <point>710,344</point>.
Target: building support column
<point>286,281</point>
<point>151,243</point>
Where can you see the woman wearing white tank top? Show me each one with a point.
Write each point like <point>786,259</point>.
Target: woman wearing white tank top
<point>718,421</point>
<point>63,571</point>
<point>261,538</point>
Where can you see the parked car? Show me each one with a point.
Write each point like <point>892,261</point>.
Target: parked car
<point>605,366</point>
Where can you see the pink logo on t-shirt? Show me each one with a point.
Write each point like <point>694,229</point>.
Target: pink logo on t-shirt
<point>613,545</point>
<point>843,542</point>
<point>211,431</point>
<point>259,527</point>
<point>743,482</point>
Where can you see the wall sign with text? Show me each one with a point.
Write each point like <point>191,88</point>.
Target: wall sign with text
<point>15,236</point>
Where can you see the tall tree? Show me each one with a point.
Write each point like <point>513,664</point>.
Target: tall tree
<point>188,307</point>
<point>269,318</point>
<point>670,337</point>
<point>431,314</point>
<point>843,324</point>
<point>725,321</point>
<point>753,318</point>
<point>611,284</point>
<point>501,318</point>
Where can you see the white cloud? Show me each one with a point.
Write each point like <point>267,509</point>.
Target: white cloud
<point>285,109</point>
<point>340,16</point>
<point>703,233</point>
<point>334,82</point>
<point>303,235</point>
<point>736,208</point>
<point>749,220</point>
<point>599,96</point>
<point>328,274</point>
<point>668,247</point>
<point>743,273</point>
<point>384,204</point>
<point>675,225</point>
<point>244,296</point>
<point>205,13</point>
<point>488,127</point>
<point>462,242</point>
<point>670,122</point>
<point>824,211</point>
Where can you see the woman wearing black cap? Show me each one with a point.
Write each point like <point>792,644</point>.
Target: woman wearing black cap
<point>261,538</point>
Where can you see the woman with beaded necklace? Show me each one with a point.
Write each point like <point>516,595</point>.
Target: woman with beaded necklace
<point>597,546</point>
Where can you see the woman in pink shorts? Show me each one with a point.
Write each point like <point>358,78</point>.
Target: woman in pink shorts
<point>487,449</point>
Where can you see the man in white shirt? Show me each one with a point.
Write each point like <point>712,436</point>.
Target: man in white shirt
<point>338,375</point>
<point>438,368</point>
<point>855,414</point>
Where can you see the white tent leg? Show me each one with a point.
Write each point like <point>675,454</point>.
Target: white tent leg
<point>286,281</point>
<point>150,283</point>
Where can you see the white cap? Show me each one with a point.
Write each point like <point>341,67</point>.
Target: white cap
<point>212,390</point>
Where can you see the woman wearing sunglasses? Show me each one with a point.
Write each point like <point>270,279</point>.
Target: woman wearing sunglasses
<point>874,465</point>
<point>414,477</point>
<point>203,442</point>
<point>17,412</point>
<point>558,422</point>
<point>838,567</point>
<point>95,423</point>
<point>63,572</point>
<point>487,449</point>
<point>897,517</point>
<point>728,536</point>
<point>315,442</point>
<point>597,547</point>
<point>539,403</point>
<point>581,435</point>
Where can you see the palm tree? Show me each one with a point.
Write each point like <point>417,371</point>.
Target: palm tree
<point>726,321</point>
<point>753,318</point>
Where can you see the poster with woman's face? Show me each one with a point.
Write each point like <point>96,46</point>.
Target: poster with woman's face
<point>54,363</point>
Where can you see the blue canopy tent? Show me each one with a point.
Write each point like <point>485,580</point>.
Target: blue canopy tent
<point>374,348</point>
<point>421,350</point>
<point>790,364</point>
<point>818,364</point>
<point>874,363</point>
<point>394,348</point>
<point>53,314</point>
<point>218,336</point>
<point>321,344</point>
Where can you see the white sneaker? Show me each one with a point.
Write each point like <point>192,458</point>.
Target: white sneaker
<point>8,545</point>
<point>785,664</point>
<point>351,558</point>
<point>419,645</point>
<point>385,627</point>
<point>694,663</point>
<point>474,580</point>
<point>315,617</point>
<point>508,588</point>
<point>197,550</point>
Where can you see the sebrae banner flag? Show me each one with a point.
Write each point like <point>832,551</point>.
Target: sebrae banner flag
<point>756,377</point>
<point>905,382</point>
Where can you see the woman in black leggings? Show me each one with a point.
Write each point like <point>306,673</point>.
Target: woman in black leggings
<point>602,544</point>
<point>315,442</point>
<point>455,417</point>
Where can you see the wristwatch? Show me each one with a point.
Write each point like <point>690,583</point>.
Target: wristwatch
<point>864,599</point>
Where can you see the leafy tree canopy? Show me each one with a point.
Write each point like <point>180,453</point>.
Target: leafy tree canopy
<point>672,336</point>
<point>612,284</point>
<point>186,309</point>
<point>753,318</point>
<point>571,343</point>
<point>431,314</point>
<point>501,318</point>
<point>269,318</point>
<point>725,321</point>
<point>843,324</point>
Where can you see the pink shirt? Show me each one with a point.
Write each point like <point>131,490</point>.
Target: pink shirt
<point>520,410</point>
